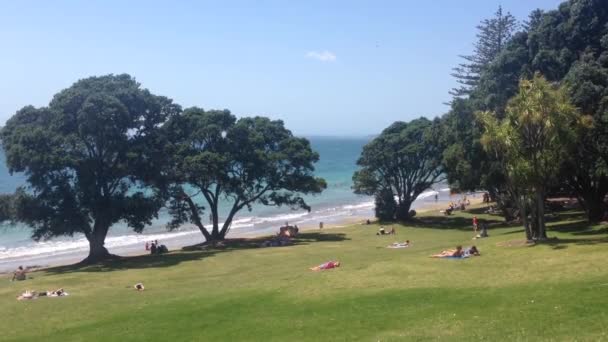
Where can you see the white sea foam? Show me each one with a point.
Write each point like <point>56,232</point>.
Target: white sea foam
<point>245,224</point>
<point>365,205</point>
<point>66,246</point>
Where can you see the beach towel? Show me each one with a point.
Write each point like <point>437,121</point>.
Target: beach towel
<point>464,256</point>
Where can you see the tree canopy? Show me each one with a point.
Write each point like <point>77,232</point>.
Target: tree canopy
<point>215,159</point>
<point>540,126</point>
<point>400,163</point>
<point>84,156</point>
<point>568,46</point>
<point>493,35</point>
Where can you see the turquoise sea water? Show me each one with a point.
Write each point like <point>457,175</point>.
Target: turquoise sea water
<point>336,204</point>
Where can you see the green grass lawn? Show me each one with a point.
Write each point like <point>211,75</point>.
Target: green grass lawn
<point>556,291</point>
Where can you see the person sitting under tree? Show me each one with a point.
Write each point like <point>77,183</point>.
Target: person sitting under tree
<point>19,274</point>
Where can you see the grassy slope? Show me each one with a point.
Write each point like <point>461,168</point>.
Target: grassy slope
<point>549,292</point>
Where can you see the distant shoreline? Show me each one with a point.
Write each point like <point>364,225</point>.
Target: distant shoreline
<point>179,243</point>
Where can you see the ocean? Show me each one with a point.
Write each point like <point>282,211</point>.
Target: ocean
<point>337,204</point>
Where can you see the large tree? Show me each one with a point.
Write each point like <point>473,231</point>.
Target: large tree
<point>403,161</point>
<point>85,156</point>
<point>586,171</point>
<point>214,160</point>
<point>493,34</point>
<point>540,126</point>
<point>569,46</point>
<point>7,207</point>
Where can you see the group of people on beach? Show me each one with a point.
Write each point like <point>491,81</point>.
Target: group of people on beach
<point>283,237</point>
<point>462,204</point>
<point>155,248</point>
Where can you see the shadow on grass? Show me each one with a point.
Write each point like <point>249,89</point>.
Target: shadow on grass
<point>191,253</point>
<point>480,211</point>
<point>563,243</point>
<point>135,262</point>
<point>450,222</point>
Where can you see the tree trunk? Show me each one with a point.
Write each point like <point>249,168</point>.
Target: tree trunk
<point>540,202</point>
<point>505,203</point>
<point>594,207</point>
<point>403,211</point>
<point>524,216</point>
<point>97,249</point>
<point>196,217</point>
<point>216,235</point>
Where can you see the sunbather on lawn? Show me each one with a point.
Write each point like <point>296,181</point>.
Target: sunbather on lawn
<point>449,253</point>
<point>399,244</point>
<point>326,266</point>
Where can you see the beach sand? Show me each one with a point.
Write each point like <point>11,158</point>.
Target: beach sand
<point>196,238</point>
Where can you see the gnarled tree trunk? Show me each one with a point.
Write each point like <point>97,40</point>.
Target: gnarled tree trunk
<point>403,211</point>
<point>97,249</point>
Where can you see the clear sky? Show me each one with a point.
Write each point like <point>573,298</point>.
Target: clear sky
<point>324,67</point>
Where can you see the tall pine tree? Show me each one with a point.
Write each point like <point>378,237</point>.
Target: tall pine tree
<point>493,35</point>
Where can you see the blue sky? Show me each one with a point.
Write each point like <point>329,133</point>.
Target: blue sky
<point>324,67</point>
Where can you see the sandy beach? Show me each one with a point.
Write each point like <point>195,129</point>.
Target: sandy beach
<point>191,235</point>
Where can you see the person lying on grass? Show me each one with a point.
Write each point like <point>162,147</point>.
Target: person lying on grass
<point>449,253</point>
<point>472,251</point>
<point>33,294</point>
<point>399,244</point>
<point>458,253</point>
<point>326,266</point>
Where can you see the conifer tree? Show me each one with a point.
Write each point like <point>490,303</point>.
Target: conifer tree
<point>493,35</point>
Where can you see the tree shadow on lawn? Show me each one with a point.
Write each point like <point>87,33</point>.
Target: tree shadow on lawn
<point>191,253</point>
<point>580,227</point>
<point>134,262</point>
<point>559,243</point>
<point>451,222</point>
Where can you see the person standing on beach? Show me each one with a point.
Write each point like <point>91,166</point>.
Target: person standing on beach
<point>436,197</point>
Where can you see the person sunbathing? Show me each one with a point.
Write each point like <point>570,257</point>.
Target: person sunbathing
<point>326,266</point>
<point>399,244</point>
<point>472,251</point>
<point>450,253</point>
<point>33,294</point>
<point>27,295</point>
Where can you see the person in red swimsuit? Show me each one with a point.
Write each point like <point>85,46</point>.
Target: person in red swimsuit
<point>326,266</point>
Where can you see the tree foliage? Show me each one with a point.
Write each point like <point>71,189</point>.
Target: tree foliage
<point>7,207</point>
<point>568,46</point>
<point>215,159</point>
<point>493,34</point>
<point>540,126</point>
<point>84,156</point>
<point>401,162</point>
